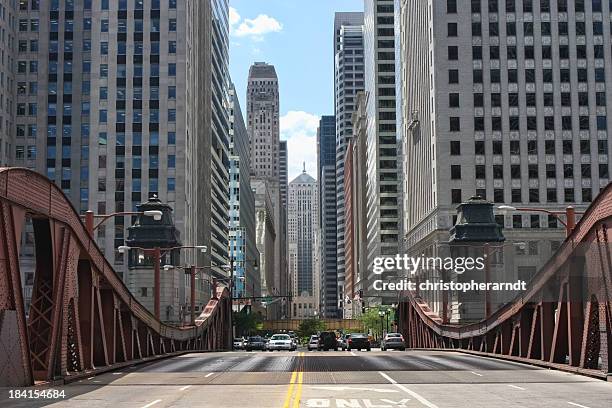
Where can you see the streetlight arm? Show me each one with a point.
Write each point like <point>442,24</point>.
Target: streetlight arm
<point>90,216</point>
<point>555,214</point>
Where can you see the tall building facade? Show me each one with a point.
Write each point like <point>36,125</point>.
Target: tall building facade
<point>263,121</point>
<point>303,205</point>
<point>348,80</point>
<point>357,283</point>
<point>517,113</point>
<point>117,108</point>
<point>242,247</point>
<point>220,138</point>
<point>9,88</point>
<point>326,176</point>
<point>381,159</point>
<point>264,130</point>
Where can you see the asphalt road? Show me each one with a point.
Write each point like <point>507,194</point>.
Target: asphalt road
<point>375,379</point>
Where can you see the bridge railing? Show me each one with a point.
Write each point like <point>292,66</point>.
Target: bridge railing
<point>82,317</point>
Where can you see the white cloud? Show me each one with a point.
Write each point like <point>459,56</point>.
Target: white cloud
<point>299,128</point>
<point>254,28</point>
<point>234,17</point>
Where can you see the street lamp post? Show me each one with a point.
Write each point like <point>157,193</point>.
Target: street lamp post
<point>382,327</point>
<point>387,313</point>
<point>157,254</point>
<point>570,215</point>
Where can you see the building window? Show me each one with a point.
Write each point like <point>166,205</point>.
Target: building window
<point>455,124</point>
<point>455,148</point>
<point>456,195</point>
<point>455,172</point>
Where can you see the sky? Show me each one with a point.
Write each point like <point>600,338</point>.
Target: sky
<point>296,36</point>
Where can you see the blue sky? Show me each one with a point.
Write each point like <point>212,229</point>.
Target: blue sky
<point>296,36</point>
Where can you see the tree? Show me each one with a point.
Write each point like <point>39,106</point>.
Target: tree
<point>246,323</point>
<point>309,327</point>
<point>371,320</point>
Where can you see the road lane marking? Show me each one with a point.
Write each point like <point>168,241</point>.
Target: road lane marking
<point>577,405</point>
<point>480,375</point>
<point>150,404</point>
<point>353,354</point>
<point>516,386</point>
<point>208,375</point>
<point>185,387</point>
<point>91,378</point>
<point>290,390</point>
<point>418,397</point>
<point>298,393</point>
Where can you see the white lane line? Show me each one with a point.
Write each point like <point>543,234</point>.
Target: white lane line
<point>516,386</point>
<point>91,378</point>
<point>185,387</point>
<point>150,404</point>
<point>577,405</point>
<point>353,354</point>
<point>418,397</point>
<point>208,375</point>
<point>480,375</point>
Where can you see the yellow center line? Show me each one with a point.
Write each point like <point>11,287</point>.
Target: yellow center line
<point>297,378</point>
<point>290,390</point>
<point>298,393</point>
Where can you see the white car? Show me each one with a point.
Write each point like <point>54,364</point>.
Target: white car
<point>313,343</point>
<point>238,343</point>
<point>281,342</point>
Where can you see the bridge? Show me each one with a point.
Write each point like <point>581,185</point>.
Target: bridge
<point>82,320</point>
<point>86,335</point>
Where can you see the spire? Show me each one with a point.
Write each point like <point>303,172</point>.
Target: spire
<point>304,167</point>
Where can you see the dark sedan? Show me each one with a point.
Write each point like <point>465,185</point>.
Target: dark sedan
<point>358,341</point>
<point>255,343</point>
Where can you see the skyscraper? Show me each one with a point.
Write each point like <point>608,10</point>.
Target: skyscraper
<point>381,166</point>
<point>348,80</point>
<point>263,127</point>
<point>219,150</point>
<point>302,227</point>
<point>243,247</point>
<point>263,121</point>
<point>326,175</point>
<point>517,113</point>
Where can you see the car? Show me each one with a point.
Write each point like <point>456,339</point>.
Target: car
<point>294,339</point>
<point>327,340</point>
<point>393,341</point>
<point>255,343</point>
<point>344,341</point>
<point>313,343</point>
<point>238,343</point>
<point>281,342</point>
<point>358,341</point>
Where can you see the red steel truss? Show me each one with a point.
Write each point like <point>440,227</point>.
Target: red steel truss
<point>570,334</point>
<point>82,317</point>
